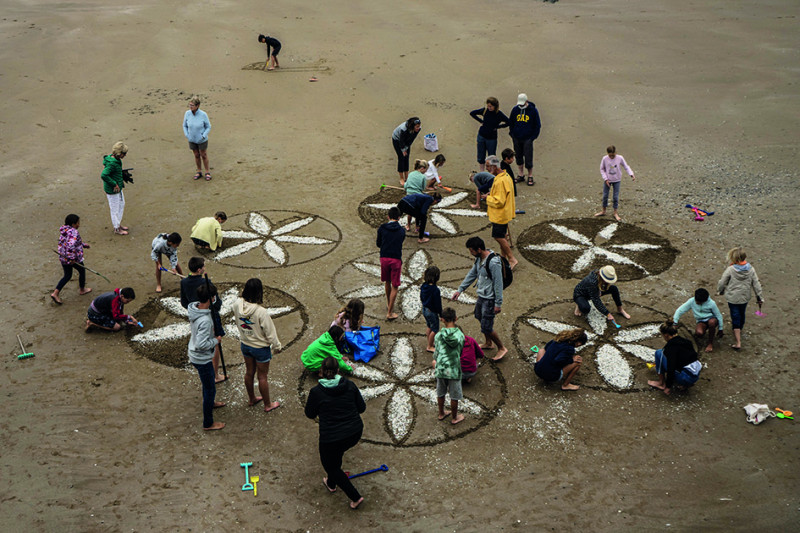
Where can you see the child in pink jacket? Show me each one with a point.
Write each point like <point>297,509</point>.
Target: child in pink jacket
<point>469,358</point>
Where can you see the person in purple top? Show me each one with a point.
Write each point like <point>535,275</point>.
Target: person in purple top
<point>491,119</point>
<point>525,126</point>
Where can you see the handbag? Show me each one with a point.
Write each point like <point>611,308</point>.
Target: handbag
<point>365,343</point>
<point>431,143</point>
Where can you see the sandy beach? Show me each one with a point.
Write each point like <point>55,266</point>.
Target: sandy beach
<point>102,432</point>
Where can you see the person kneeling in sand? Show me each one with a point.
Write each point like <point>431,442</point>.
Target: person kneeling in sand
<point>207,231</point>
<point>596,284</point>
<point>676,363</point>
<point>106,311</point>
<point>706,314</point>
<point>558,361</point>
<point>448,345</point>
<point>330,344</point>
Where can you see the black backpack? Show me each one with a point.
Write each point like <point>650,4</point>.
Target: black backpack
<point>508,275</point>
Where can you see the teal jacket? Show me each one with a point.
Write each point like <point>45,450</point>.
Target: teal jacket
<point>448,344</point>
<point>112,174</point>
<point>702,312</point>
<point>318,350</point>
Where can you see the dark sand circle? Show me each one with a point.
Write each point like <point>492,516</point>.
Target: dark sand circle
<point>573,247</point>
<point>399,389</point>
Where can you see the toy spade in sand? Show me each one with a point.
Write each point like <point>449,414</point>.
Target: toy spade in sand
<point>23,355</point>
<point>382,468</point>
<point>781,415</point>
<point>787,413</point>
<point>254,481</point>
<point>615,324</point>
<point>758,311</point>
<point>247,485</point>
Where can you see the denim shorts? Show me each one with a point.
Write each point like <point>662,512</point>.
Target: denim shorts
<point>261,355</point>
<point>431,319</point>
<point>453,386</point>
<point>484,311</point>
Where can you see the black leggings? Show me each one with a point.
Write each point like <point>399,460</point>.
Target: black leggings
<point>331,453</point>
<point>422,218</point>
<point>402,160</point>
<point>583,302</point>
<point>68,275</point>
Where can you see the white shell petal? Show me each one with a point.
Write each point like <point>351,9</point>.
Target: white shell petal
<point>429,395</point>
<point>453,199</point>
<point>417,265</point>
<point>571,234</point>
<point>288,228</point>
<point>584,260</point>
<point>426,376</point>
<point>462,212</point>
<point>173,305</point>
<point>645,353</point>
<point>237,250</point>
<point>238,234</point>
<point>368,393</point>
<point>608,231</point>
<point>382,207</point>
<point>597,322</point>
<point>370,291</point>
<point>621,259</point>
<point>636,246</point>
<point>441,222</point>
<point>164,333</point>
<point>298,239</point>
<point>464,298</point>
<point>259,223</point>
<point>613,367</point>
<point>274,250</point>
<point>369,268</point>
<point>278,311</point>
<point>410,303</point>
<point>371,373</point>
<point>402,357</point>
<point>400,411</point>
<point>639,333</point>
<point>554,247</point>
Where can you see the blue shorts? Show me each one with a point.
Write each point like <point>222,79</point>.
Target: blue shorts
<point>261,355</point>
<point>484,311</point>
<point>431,319</point>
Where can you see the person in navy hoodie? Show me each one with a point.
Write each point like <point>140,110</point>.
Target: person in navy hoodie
<point>524,129</point>
<point>491,119</point>
<point>390,240</point>
<point>417,205</point>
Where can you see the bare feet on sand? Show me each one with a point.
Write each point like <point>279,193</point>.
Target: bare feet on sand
<point>656,384</point>
<point>617,217</point>
<point>85,290</point>
<point>215,426</point>
<point>710,348</point>
<point>158,288</point>
<point>429,349</point>
<point>624,313</point>
<point>217,405</point>
<point>513,265</point>
<point>325,482</point>
<point>274,405</point>
<point>570,386</point>
<point>56,299</point>
<point>577,311</point>
<point>423,240</point>
<point>600,214</point>
<point>354,505</point>
<point>486,346</point>
<point>457,419</point>
<point>392,316</point>
<point>445,415</point>
<point>255,401</point>
<point>500,354</point>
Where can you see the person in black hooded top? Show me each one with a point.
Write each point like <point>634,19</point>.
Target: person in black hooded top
<point>338,403</point>
<point>676,363</point>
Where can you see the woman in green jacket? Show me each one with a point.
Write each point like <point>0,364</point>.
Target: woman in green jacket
<point>113,185</point>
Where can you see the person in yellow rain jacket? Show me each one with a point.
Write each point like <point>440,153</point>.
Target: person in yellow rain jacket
<point>501,207</point>
<point>207,232</point>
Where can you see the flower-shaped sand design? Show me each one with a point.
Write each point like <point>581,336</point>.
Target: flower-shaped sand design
<point>406,389</point>
<point>364,274</point>
<point>450,217</point>
<point>276,239</point>
<point>612,348</point>
<point>573,247</point>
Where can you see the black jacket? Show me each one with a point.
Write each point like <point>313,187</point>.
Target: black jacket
<point>390,239</point>
<point>339,409</point>
<point>679,353</point>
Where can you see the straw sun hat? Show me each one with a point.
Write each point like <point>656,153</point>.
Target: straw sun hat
<point>608,274</point>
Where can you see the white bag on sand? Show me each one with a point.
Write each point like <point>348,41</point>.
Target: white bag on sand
<point>757,413</point>
<point>431,143</point>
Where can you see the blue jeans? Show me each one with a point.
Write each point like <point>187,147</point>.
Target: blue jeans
<point>737,314</point>
<point>606,187</point>
<point>486,146</point>
<point>683,377</point>
<point>206,373</point>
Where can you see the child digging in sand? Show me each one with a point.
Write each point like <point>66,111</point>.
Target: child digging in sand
<point>166,244</point>
<point>706,314</point>
<point>558,361</point>
<point>449,343</point>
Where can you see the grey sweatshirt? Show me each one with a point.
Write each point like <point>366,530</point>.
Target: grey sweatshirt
<point>202,342</point>
<point>488,288</point>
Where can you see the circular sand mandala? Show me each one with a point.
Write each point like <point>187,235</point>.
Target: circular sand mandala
<point>361,278</point>
<point>400,390</point>
<point>573,247</point>
<point>452,217</point>
<point>613,359</point>
<point>165,337</point>
<point>271,239</point>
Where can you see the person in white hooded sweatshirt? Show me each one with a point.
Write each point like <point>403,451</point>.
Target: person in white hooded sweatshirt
<point>259,339</point>
<point>201,353</point>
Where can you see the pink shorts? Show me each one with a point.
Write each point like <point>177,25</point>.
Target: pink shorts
<point>390,270</point>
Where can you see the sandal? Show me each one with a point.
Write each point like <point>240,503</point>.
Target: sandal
<point>530,181</point>
<point>120,231</point>
<point>208,176</point>
<point>198,176</point>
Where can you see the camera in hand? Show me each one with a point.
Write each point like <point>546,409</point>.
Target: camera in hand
<point>126,175</point>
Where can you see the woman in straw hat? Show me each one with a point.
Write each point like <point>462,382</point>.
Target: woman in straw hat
<point>598,283</point>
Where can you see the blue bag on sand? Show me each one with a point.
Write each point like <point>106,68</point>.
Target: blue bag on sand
<point>365,343</point>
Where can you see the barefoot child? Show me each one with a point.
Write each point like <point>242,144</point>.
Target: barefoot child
<point>449,343</point>
<point>351,316</point>
<point>207,232</point>
<point>469,359</point>
<point>167,244</point>
<point>676,363</point>
<point>558,361</point>
<point>431,299</point>
<point>189,286</point>
<point>70,251</point>
<point>259,341</point>
<point>330,344</point>
<point>612,176</point>
<point>201,352</point>
<point>390,240</point>
<point>106,311</point>
<point>432,174</point>
<point>273,47</point>
<point>706,314</point>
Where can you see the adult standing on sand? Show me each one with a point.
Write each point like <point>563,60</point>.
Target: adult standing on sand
<point>273,47</point>
<point>402,138</point>
<point>524,129</point>
<point>113,183</point>
<point>736,284</point>
<point>196,127</point>
<point>339,404</point>
<point>491,119</point>
<point>501,208</point>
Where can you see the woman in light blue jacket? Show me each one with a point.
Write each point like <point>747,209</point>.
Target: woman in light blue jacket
<point>196,127</point>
